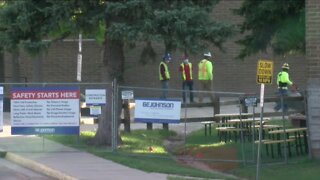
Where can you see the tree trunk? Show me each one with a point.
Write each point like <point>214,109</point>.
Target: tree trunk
<point>2,77</point>
<point>37,73</point>
<point>113,60</point>
<point>15,69</point>
<point>126,115</point>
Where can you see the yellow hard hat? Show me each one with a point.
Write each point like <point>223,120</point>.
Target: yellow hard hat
<point>285,66</point>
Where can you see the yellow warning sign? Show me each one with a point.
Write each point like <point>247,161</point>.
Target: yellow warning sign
<point>264,72</point>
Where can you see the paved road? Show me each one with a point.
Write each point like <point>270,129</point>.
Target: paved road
<point>11,171</point>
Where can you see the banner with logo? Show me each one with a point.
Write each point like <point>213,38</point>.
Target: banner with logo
<point>45,110</point>
<point>157,110</point>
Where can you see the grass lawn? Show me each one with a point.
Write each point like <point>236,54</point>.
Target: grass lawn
<point>144,149</point>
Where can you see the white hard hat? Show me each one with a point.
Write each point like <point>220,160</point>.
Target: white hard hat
<point>285,66</point>
<point>208,54</point>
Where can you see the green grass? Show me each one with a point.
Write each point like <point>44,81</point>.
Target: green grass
<point>143,149</point>
<point>303,169</point>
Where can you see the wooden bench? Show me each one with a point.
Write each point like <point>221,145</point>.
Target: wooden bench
<point>226,117</point>
<point>227,132</point>
<point>271,142</point>
<point>265,129</point>
<point>299,135</point>
<point>207,126</point>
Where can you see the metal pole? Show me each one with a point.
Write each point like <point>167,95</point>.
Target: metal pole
<point>241,133</point>
<point>260,133</point>
<point>42,144</point>
<point>79,59</point>
<point>113,122</point>
<point>259,146</point>
<point>253,133</point>
<point>185,122</point>
<point>116,114</point>
<point>284,131</point>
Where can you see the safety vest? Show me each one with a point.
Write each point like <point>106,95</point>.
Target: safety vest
<point>184,73</point>
<point>205,70</point>
<point>166,71</point>
<point>283,80</point>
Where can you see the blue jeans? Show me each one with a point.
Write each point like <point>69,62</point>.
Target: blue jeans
<point>282,93</point>
<point>165,87</point>
<point>185,86</point>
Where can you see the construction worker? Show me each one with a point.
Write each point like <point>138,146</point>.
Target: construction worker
<point>164,74</point>
<point>186,70</point>
<point>205,76</point>
<point>283,81</point>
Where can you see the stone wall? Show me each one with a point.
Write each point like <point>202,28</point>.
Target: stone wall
<point>313,83</point>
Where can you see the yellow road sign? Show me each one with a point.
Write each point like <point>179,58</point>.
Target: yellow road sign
<point>264,72</point>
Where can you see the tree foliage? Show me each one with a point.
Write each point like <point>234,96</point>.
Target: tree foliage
<point>185,25</point>
<point>26,23</point>
<point>272,23</point>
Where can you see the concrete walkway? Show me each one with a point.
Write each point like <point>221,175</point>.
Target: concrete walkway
<point>61,162</point>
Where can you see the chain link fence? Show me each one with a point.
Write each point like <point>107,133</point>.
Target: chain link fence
<point>221,131</point>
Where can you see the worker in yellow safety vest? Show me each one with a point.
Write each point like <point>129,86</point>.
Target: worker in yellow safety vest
<point>283,81</point>
<point>164,74</point>
<point>205,76</point>
<point>186,70</point>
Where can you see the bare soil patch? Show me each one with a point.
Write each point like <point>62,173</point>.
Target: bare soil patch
<point>212,159</point>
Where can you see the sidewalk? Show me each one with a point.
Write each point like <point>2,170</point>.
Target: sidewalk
<point>61,162</point>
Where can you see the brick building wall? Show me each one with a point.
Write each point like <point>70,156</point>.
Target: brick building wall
<point>313,83</point>
<point>231,75</point>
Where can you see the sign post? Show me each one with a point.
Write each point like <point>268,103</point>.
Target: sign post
<point>264,76</point>
<point>79,59</point>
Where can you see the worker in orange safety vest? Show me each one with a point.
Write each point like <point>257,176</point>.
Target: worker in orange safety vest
<point>186,70</point>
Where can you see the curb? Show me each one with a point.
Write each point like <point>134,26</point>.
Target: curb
<point>37,167</point>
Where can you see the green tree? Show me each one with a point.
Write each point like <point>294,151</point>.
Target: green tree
<point>24,24</point>
<point>279,25</point>
<point>183,25</point>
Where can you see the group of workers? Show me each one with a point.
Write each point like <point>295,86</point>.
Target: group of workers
<point>205,76</point>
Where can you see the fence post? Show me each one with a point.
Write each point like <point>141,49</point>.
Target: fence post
<point>149,126</point>
<point>216,105</point>
<point>165,126</point>
<point>243,105</point>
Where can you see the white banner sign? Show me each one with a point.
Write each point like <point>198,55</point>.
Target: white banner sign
<point>95,96</point>
<point>45,110</point>
<point>127,95</point>
<point>95,110</point>
<point>157,111</point>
